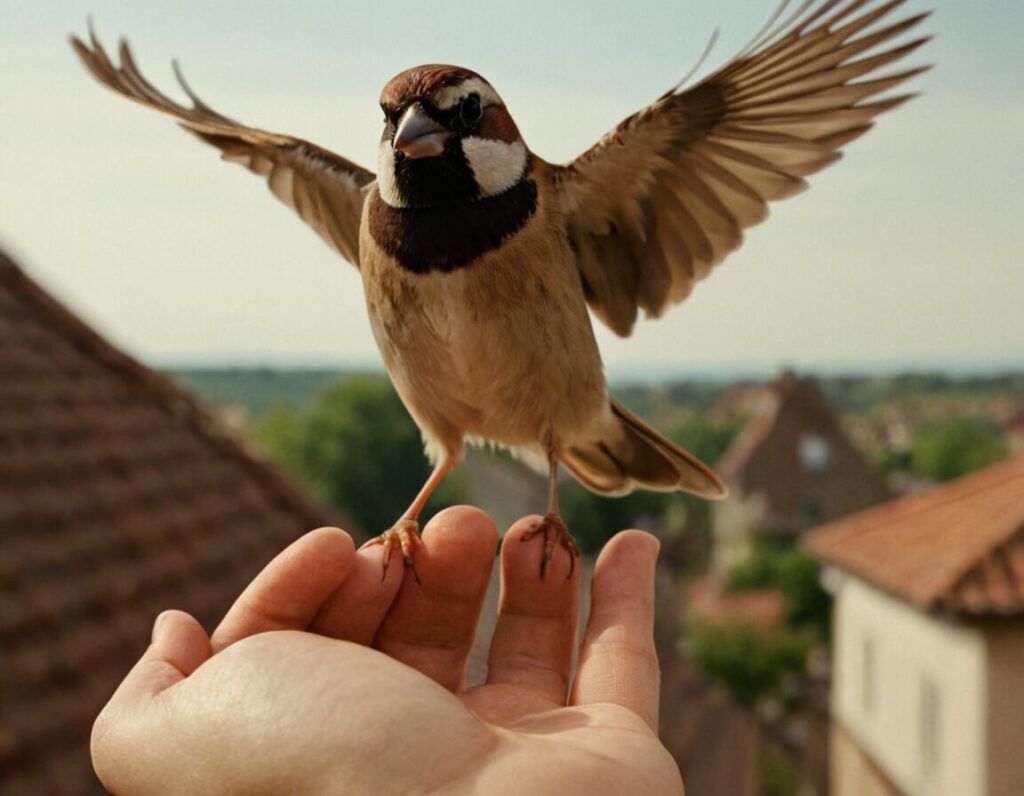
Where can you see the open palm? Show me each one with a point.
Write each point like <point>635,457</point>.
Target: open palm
<point>324,678</point>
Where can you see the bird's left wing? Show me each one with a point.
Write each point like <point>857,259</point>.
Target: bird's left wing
<point>666,195</point>
<point>326,190</point>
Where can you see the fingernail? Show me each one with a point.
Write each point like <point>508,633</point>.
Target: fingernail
<point>156,625</point>
<point>653,547</point>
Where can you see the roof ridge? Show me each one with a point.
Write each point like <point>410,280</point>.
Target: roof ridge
<point>752,436</point>
<point>168,395</point>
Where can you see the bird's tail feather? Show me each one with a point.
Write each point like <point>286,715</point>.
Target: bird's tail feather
<point>629,453</point>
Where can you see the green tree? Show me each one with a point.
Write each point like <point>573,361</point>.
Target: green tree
<point>949,449</point>
<point>748,663</point>
<point>706,439</point>
<point>357,449</point>
<point>798,576</point>
<point>594,519</point>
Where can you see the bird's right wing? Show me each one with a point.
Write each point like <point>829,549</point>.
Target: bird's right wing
<point>326,190</point>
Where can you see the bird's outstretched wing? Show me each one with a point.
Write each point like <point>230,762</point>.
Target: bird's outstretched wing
<point>666,195</point>
<point>326,190</point>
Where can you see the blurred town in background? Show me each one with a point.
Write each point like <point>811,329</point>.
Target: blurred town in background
<point>850,620</point>
<point>748,632</point>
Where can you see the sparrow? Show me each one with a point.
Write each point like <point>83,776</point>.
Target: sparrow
<point>481,262</point>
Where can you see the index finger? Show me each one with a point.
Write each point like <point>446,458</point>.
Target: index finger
<point>618,663</point>
<point>291,589</point>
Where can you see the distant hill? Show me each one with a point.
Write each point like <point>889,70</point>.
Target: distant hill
<point>258,389</point>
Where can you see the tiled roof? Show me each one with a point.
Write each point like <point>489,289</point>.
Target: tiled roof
<point>119,497</point>
<point>959,547</point>
<point>763,609</point>
<point>767,458</point>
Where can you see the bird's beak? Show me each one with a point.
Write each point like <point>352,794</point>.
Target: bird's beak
<point>419,136</point>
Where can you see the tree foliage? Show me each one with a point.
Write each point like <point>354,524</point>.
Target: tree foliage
<point>749,664</point>
<point>952,448</point>
<point>594,519</point>
<point>357,449</point>
<point>793,572</point>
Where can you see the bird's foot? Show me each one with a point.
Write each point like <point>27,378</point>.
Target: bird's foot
<point>554,531</point>
<point>404,536</point>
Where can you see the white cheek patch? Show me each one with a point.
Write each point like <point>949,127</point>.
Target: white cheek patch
<point>450,96</point>
<point>497,165</point>
<point>386,185</point>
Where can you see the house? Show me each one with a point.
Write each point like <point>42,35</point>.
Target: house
<point>120,496</point>
<point>791,467</point>
<point>928,640</point>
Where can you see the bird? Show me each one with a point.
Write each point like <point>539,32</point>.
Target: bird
<point>483,265</point>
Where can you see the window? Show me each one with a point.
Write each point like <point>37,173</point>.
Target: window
<point>867,674</point>
<point>931,727</point>
<point>815,453</point>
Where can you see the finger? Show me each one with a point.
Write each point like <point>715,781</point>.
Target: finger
<point>618,663</point>
<point>291,589</point>
<point>356,609</point>
<point>536,629</point>
<point>179,646</point>
<point>432,623</point>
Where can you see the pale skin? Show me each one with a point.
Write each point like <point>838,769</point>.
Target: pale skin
<point>324,679</point>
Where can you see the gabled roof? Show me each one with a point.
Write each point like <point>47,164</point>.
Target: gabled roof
<point>120,496</point>
<point>769,457</point>
<point>958,547</point>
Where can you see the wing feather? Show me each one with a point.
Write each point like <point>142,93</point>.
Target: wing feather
<point>666,195</point>
<point>324,189</point>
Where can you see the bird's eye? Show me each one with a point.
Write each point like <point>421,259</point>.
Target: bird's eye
<point>470,110</point>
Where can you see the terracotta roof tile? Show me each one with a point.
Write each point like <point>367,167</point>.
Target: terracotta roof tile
<point>959,546</point>
<point>120,496</point>
<point>763,609</point>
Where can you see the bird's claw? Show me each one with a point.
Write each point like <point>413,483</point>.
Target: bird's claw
<point>554,530</point>
<point>404,536</point>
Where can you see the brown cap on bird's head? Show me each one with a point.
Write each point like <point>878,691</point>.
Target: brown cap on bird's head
<point>424,81</point>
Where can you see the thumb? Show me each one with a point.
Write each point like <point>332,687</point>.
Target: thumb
<point>179,645</point>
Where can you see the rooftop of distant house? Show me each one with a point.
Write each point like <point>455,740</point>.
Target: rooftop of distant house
<point>958,547</point>
<point>793,454</point>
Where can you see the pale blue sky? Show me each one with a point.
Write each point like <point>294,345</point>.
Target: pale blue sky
<point>906,252</point>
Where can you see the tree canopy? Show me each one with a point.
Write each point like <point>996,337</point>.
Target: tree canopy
<point>355,448</point>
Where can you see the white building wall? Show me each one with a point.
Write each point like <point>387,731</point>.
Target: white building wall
<point>736,520</point>
<point>888,657</point>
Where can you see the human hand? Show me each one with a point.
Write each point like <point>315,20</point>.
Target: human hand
<point>323,678</point>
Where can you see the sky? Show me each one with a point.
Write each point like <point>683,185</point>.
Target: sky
<point>905,254</point>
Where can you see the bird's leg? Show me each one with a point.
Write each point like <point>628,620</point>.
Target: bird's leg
<point>553,526</point>
<point>404,534</point>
